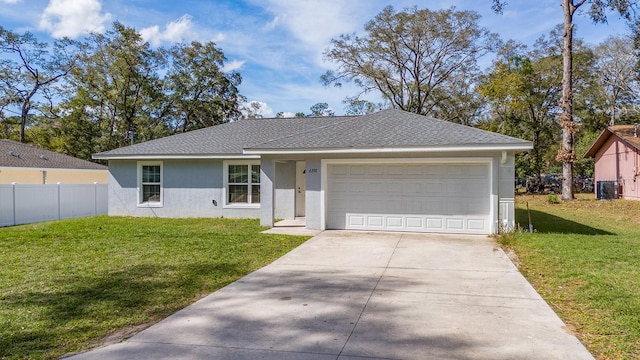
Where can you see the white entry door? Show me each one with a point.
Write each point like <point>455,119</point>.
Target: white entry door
<point>439,198</point>
<point>300,188</point>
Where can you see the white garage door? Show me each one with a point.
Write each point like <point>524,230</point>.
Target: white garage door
<point>409,197</point>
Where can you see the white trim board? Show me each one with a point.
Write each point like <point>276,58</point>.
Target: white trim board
<point>427,149</point>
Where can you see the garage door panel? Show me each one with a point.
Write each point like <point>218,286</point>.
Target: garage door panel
<point>357,170</point>
<point>476,207</point>
<point>477,171</point>
<point>433,188</point>
<point>391,206</point>
<point>338,170</point>
<point>414,197</point>
<point>435,224</point>
<point>435,170</point>
<point>476,225</point>
<point>358,186</point>
<point>453,188</point>
<point>395,222</point>
<point>434,206</point>
<point>455,224</point>
<point>356,220</point>
<point>375,170</point>
<point>394,170</point>
<point>415,170</point>
<point>412,188</point>
<point>339,186</point>
<point>415,206</point>
<point>454,171</point>
<point>377,187</point>
<point>455,206</point>
<point>415,223</point>
<point>376,221</point>
<point>478,184</point>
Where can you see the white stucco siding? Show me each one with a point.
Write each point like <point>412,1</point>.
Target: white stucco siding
<point>506,189</point>
<point>314,202</point>
<point>189,189</point>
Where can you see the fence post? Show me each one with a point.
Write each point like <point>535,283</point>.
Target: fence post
<point>59,201</point>
<point>14,202</point>
<point>95,198</point>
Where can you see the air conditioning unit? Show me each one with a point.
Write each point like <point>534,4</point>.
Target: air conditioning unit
<point>607,190</point>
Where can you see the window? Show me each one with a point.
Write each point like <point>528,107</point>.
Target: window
<point>242,183</point>
<point>150,184</point>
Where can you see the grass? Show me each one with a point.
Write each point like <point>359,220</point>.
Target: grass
<point>65,286</point>
<point>584,259</point>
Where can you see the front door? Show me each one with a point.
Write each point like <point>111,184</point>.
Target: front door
<point>300,188</point>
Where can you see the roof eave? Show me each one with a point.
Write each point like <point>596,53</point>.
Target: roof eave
<point>524,146</point>
<point>39,168</point>
<point>600,140</point>
<point>170,156</point>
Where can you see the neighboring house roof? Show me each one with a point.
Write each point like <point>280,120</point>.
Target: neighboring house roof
<point>387,129</point>
<point>625,133</point>
<point>19,155</point>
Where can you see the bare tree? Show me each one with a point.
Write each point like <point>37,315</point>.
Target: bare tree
<point>615,67</point>
<point>410,57</point>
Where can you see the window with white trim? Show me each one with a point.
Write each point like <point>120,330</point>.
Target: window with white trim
<point>150,183</point>
<point>242,183</point>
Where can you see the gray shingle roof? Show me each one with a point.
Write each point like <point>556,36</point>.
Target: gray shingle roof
<point>385,129</point>
<point>224,139</point>
<point>624,132</point>
<point>16,154</point>
<point>388,129</point>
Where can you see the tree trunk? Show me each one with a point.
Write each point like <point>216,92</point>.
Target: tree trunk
<point>613,115</point>
<point>23,122</point>
<point>24,114</point>
<point>566,153</point>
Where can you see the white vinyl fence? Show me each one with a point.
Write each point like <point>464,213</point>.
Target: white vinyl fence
<point>27,203</point>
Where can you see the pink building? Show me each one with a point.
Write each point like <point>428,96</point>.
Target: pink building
<point>617,157</point>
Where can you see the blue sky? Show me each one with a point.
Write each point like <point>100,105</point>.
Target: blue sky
<point>276,45</point>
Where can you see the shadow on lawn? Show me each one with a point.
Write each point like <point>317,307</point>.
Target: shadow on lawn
<point>78,303</point>
<point>130,289</point>
<point>550,224</point>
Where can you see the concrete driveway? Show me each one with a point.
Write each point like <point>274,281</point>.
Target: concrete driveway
<point>356,295</point>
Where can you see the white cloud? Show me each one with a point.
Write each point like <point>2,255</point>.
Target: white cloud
<point>219,37</point>
<point>233,65</point>
<point>10,1</point>
<point>288,114</point>
<point>316,22</point>
<point>261,108</point>
<point>174,32</point>
<point>272,24</point>
<point>73,18</point>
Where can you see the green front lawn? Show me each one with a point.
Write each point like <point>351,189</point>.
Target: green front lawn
<point>66,286</point>
<point>584,259</point>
